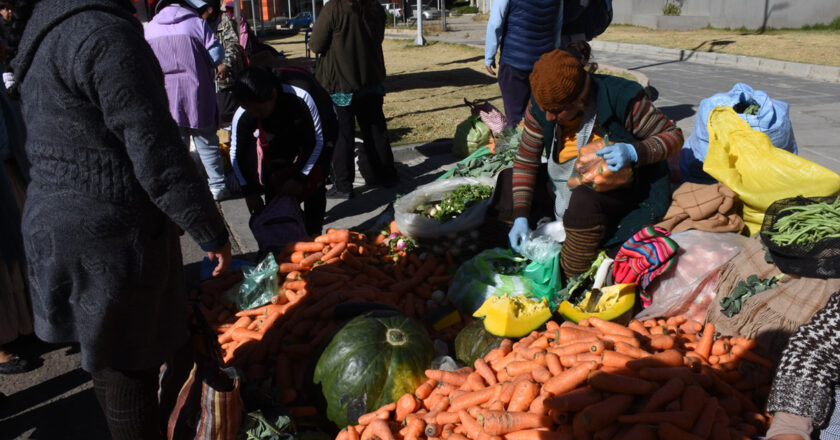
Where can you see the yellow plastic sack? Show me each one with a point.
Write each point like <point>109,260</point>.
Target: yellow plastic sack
<point>746,161</point>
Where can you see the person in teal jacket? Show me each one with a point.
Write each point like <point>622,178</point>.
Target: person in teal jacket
<point>570,107</point>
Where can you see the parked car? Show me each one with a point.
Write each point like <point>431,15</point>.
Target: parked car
<point>300,21</point>
<point>393,9</point>
<point>429,13</point>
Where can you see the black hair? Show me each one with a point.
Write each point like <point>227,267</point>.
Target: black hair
<point>255,84</point>
<point>583,52</point>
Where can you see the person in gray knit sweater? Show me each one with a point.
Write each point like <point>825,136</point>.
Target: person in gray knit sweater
<point>111,184</point>
<point>805,388</point>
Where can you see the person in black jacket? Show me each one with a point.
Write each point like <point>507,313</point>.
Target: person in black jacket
<point>111,186</point>
<point>348,36</point>
<point>283,138</point>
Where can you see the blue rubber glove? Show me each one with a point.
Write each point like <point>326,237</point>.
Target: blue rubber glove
<point>618,155</point>
<point>518,233</point>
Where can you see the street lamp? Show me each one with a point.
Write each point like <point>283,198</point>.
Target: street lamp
<point>419,41</point>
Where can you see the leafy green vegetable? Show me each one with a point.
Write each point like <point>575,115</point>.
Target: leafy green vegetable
<point>456,203</point>
<point>577,286</point>
<point>731,305</point>
<point>807,224</point>
<point>266,426</point>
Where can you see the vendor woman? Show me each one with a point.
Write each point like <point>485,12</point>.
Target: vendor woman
<point>571,106</point>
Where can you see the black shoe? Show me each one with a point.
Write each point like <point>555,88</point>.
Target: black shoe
<point>16,365</point>
<point>334,193</point>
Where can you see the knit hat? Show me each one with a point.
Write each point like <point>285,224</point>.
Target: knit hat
<point>557,79</point>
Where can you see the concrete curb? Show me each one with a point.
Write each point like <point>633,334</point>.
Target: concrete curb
<point>799,70</point>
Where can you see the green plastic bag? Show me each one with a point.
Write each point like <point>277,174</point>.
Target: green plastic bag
<point>746,162</point>
<point>501,272</point>
<point>470,134</point>
<point>258,287</point>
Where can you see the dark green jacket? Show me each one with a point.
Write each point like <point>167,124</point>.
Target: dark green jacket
<point>613,97</point>
<point>350,46</point>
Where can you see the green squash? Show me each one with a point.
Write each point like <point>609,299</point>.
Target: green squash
<point>474,341</point>
<point>372,361</point>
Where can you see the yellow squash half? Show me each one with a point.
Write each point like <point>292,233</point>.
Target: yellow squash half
<point>616,304</point>
<point>513,316</point>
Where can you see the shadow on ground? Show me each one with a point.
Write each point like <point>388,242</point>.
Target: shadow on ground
<point>432,79</point>
<point>678,112</point>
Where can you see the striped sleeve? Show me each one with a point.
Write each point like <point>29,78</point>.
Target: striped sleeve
<point>660,136</point>
<point>526,164</point>
<point>307,98</point>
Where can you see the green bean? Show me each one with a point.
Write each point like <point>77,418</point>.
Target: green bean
<point>807,224</point>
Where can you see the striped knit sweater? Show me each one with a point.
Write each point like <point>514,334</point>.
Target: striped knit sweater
<point>657,138</point>
<point>810,367</point>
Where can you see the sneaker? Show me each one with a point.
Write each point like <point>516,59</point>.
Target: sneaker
<point>16,365</point>
<point>334,193</point>
<point>220,194</point>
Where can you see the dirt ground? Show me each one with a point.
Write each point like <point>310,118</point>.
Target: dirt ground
<point>813,47</point>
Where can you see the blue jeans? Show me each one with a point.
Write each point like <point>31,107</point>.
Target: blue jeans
<point>207,144</point>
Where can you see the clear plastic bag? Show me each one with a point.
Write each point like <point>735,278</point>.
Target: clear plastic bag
<point>258,287</point>
<point>419,226</point>
<point>689,285</point>
<point>591,170</point>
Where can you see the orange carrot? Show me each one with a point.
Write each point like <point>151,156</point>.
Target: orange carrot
<point>302,411</point>
<point>553,364</point>
<point>541,374</point>
<point>681,419</point>
<point>569,379</point>
<point>243,334</point>
<point>611,358</point>
<point>719,347</point>
<point>704,345</point>
<point>638,327</point>
<point>662,374</point>
<point>576,359</point>
<point>574,400</point>
<point>535,434</point>
<point>621,338</point>
<point>378,429</point>
<point>473,398</point>
<point>607,432</point>
<point>742,352</point>
<point>601,414</point>
<point>446,417</point>
<point>692,401</point>
<point>517,368</point>
<point>484,370</point>
<point>472,427</point>
<point>616,383</point>
<point>639,432</point>
<point>667,358</point>
<point>475,382</point>
<point>580,347</point>
<point>406,405</point>
<point>706,419</point>
<point>422,392</point>
<point>335,250</point>
<point>672,389</point>
<point>288,267</point>
<point>661,342</point>
<point>414,427</point>
<point>523,395</point>
<point>630,350</point>
<point>503,422</point>
<point>668,431</point>
<point>455,379</point>
<point>610,327</point>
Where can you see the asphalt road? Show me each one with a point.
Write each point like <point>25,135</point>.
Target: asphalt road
<point>56,400</point>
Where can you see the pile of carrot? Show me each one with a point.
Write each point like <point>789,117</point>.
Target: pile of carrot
<point>666,379</point>
<point>338,267</point>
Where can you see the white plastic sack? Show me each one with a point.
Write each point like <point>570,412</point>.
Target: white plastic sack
<point>700,256</point>
<point>772,119</point>
<point>418,226</point>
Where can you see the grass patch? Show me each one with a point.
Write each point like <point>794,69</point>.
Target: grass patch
<point>426,85</point>
<point>465,9</point>
<point>833,26</point>
<point>803,46</point>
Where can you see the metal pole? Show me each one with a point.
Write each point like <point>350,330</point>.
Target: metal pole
<point>289,12</point>
<point>254,14</point>
<point>237,12</point>
<point>313,11</point>
<point>442,14</point>
<point>274,12</point>
<point>419,41</point>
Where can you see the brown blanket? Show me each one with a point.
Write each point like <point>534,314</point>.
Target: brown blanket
<point>712,208</point>
<point>773,315</point>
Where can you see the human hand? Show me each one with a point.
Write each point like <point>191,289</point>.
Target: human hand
<point>8,80</point>
<point>518,232</point>
<point>222,71</point>
<point>224,257</point>
<point>491,67</point>
<point>618,155</point>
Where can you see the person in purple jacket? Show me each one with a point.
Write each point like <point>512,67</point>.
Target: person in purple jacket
<point>191,57</point>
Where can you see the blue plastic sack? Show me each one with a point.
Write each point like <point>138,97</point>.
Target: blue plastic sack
<point>773,119</point>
